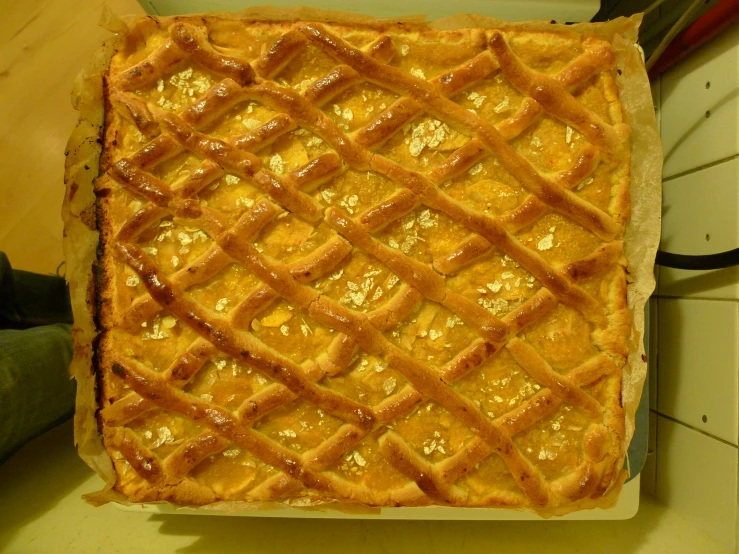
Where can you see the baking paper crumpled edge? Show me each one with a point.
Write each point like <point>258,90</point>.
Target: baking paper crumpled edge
<point>81,236</point>
<point>80,246</point>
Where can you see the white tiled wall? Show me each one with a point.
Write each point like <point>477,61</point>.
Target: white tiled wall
<point>698,364</point>
<point>696,476</point>
<point>701,216</point>
<point>694,377</point>
<point>700,109</point>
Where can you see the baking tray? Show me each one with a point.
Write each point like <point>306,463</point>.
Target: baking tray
<point>511,10</point>
<point>628,502</point>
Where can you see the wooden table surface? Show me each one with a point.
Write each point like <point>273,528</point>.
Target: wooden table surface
<point>43,46</point>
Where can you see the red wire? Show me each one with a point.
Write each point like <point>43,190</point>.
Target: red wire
<point>703,29</point>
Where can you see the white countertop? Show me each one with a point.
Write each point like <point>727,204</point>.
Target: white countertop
<point>41,510</point>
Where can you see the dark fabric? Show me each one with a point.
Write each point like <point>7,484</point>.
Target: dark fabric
<point>29,299</point>
<point>36,392</point>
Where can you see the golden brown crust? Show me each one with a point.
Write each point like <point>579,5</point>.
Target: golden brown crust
<point>260,178</point>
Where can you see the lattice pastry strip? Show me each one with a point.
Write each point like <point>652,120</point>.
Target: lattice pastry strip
<point>356,332</point>
<point>404,401</point>
<point>213,104</point>
<point>333,315</point>
<point>467,74</point>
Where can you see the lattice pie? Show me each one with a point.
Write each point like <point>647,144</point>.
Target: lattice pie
<point>375,264</point>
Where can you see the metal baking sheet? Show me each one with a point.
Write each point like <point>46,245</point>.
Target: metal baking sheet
<point>512,10</point>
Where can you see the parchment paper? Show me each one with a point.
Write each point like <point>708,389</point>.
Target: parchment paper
<point>81,236</point>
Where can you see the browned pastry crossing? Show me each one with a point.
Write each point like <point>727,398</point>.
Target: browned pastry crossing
<point>376,264</point>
